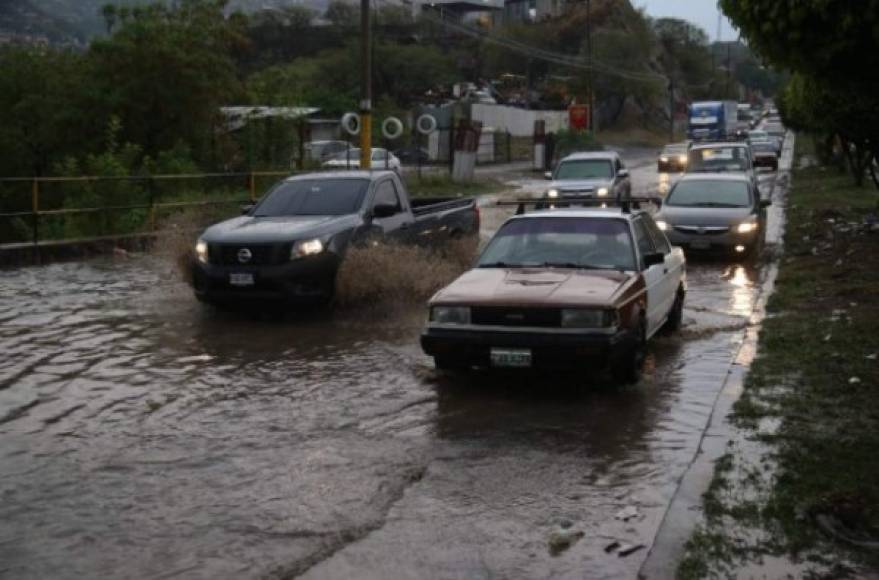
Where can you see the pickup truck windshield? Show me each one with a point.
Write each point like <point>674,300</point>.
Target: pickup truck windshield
<point>587,243</point>
<point>717,159</point>
<point>709,193</point>
<point>585,169</point>
<point>314,197</point>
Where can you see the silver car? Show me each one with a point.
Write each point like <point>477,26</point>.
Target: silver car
<point>714,212</point>
<point>593,174</point>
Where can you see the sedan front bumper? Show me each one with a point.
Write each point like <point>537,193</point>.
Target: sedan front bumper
<point>711,242</point>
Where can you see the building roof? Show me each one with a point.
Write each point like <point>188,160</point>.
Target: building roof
<point>238,117</point>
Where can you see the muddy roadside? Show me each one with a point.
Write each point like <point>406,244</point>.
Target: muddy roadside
<point>795,491</point>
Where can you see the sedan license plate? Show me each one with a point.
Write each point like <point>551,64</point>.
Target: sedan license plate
<point>511,357</point>
<point>700,245</point>
<point>241,279</point>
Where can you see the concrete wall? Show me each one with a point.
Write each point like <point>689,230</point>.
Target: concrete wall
<point>518,122</point>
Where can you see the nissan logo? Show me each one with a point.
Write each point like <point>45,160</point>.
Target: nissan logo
<point>244,255</point>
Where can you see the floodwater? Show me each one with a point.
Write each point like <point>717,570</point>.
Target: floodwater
<point>144,436</point>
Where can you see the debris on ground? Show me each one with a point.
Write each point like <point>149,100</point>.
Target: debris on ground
<point>627,513</point>
<point>562,540</point>
<point>628,549</point>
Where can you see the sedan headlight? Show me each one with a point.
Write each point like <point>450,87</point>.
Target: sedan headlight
<point>662,225</point>
<point>201,251</point>
<point>553,193</point>
<point>305,248</point>
<point>747,227</point>
<point>602,192</point>
<point>450,314</point>
<point>582,318</point>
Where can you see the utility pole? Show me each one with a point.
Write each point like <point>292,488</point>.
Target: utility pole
<point>671,109</point>
<point>365,86</point>
<point>589,60</point>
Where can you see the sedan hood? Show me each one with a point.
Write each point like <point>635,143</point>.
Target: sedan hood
<point>703,216</point>
<point>247,229</point>
<point>535,287</point>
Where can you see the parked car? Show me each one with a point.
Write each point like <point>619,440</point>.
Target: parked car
<point>714,212</point>
<point>673,158</point>
<point>288,246</point>
<point>350,159</point>
<point>566,288</point>
<point>723,158</point>
<point>765,154</point>
<point>412,155</point>
<point>323,150</point>
<point>592,174</point>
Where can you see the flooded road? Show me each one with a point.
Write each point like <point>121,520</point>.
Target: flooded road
<point>144,436</point>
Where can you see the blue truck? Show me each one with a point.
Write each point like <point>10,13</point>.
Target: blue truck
<point>712,120</point>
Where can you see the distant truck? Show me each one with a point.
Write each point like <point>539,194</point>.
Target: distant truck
<point>288,246</point>
<point>713,120</point>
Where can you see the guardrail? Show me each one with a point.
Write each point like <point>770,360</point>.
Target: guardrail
<point>36,212</point>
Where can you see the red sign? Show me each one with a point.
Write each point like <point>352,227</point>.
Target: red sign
<point>578,117</point>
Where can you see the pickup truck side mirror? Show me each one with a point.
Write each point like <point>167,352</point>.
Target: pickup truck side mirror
<point>245,209</point>
<point>623,173</point>
<point>383,210</point>
<point>654,259</point>
<point>765,202</point>
<point>548,175</point>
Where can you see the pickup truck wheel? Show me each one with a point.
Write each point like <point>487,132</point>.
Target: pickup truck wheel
<point>676,315</point>
<point>449,364</point>
<point>626,369</point>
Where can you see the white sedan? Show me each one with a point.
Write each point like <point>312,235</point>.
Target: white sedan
<point>350,159</point>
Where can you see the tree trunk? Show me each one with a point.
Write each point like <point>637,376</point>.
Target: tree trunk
<point>853,161</point>
<point>874,164</point>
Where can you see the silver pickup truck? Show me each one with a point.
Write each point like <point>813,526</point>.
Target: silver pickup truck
<point>288,246</point>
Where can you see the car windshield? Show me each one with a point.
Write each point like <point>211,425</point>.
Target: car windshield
<point>709,193</point>
<point>313,197</point>
<point>674,150</point>
<point>562,242</point>
<point>717,159</point>
<point>762,146</point>
<point>585,169</point>
<point>758,135</point>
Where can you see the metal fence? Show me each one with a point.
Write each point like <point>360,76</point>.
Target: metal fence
<point>42,211</point>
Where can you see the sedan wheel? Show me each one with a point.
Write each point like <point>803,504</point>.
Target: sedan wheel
<point>627,368</point>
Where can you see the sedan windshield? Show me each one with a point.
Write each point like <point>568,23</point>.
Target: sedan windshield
<point>561,242</point>
<point>585,169</point>
<point>718,159</point>
<point>708,193</point>
<point>313,197</point>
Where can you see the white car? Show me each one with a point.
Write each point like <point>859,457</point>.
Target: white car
<point>350,159</point>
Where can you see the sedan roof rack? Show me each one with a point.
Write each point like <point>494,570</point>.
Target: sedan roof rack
<point>626,205</point>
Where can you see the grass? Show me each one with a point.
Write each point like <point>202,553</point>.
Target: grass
<point>817,378</point>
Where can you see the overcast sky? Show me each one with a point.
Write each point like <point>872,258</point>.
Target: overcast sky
<point>701,12</point>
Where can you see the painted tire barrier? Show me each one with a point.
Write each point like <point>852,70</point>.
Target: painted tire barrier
<point>351,123</point>
<point>425,124</point>
<point>392,128</point>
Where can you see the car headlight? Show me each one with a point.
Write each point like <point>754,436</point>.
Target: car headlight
<point>305,248</point>
<point>664,159</point>
<point>747,227</point>
<point>602,192</point>
<point>553,193</point>
<point>201,251</point>
<point>450,314</point>
<point>662,225</point>
<point>583,318</point>
<point>683,159</point>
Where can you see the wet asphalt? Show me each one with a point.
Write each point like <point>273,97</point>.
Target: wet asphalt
<point>145,436</point>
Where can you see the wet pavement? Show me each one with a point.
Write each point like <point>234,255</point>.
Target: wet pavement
<point>144,436</point>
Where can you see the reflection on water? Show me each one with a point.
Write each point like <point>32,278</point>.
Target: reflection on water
<point>741,302</point>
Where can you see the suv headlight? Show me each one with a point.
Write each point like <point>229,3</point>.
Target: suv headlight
<point>201,251</point>
<point>582,318</point>
<point>553,193</point>
<point>450,314</point>
<point>305,248</point>
<point>747,227</point>
<point>602,192</point>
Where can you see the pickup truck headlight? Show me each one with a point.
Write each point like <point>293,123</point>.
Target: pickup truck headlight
<point>602,192</point>
<point>683,159</point>
<point>201,251</point>
<point>747,227</point>
<point>584,318</point>
<point>305,248</point>
<point>662,225</point>
<point>450,314</point>
<point>553,193</point>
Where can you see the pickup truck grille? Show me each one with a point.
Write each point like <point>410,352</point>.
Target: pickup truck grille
<point>703,230</point>
<point>504,316</point>
<point>260,254</point>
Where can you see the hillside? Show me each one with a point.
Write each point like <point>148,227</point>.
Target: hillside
<point>26,21</point>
